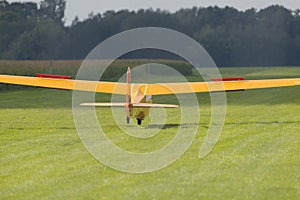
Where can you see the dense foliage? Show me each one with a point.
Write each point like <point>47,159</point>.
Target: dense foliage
<point>270,36</point>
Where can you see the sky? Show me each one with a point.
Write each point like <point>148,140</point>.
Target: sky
<point>82,8</point>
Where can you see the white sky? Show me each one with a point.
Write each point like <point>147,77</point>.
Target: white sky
<point>82,8</point>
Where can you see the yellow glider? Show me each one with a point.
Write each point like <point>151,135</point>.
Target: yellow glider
<point>148,89</point>
<point>139,96</point>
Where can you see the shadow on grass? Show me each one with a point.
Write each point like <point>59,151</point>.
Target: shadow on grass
<point>205,125</point>
<point>168,126</point>
<point>263,123</point>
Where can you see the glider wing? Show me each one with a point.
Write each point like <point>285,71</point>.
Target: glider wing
<point>92,86</point>
<point>190,87</point>
<point>148,89</point>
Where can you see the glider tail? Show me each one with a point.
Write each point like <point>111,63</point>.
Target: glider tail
<point>134,105</point>
<point>128,92</point>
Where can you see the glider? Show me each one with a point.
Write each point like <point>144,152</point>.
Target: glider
<point>139,96</point>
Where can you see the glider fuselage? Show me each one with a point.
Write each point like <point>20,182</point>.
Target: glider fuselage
<point>139,112</point>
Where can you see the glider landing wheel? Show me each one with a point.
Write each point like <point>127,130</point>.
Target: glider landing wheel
<point>127,120</point>
<point>139,121</point>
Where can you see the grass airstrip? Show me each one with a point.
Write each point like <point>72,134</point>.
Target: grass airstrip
<point>256,157</point>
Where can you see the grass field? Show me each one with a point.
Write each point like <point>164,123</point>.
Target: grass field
<point>257,156</point>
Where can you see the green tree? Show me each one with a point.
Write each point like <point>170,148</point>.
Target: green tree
<point>42,42</point>
<point>53,9</point>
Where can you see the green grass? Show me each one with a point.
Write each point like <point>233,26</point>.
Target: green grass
<point>262,72</point>
<point>70,67</point>
<point>257,156</point>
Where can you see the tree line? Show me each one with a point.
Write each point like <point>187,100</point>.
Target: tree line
<point>266,37</point>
